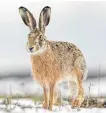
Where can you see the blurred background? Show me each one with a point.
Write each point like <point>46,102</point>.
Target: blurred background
<point>81,23</point>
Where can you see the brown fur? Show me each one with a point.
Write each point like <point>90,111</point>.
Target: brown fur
<point>59,58</point>
<point>44,67</point>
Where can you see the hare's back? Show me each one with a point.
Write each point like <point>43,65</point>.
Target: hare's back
<point>65,51</point>
<point>68,55</point>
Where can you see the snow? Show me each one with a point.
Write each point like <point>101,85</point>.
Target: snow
<point>36,108</point>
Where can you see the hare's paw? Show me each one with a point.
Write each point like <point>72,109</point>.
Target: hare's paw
<point>45,105</point>
<point>76,102</point>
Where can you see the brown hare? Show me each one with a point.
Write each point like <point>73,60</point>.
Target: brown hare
<point>53,61</point>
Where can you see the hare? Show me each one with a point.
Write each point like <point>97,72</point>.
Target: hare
<point>53,61</point>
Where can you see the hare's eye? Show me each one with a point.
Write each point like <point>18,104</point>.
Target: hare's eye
<point>40,37</point>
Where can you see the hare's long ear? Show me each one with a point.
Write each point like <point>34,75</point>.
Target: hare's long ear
<point>44,18</point>
<point>27,17</point>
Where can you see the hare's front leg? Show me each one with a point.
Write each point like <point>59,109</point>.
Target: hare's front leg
<point>51,97</point>
<point>56,95</point>
<point>77,101</point>
<point>46,98</point>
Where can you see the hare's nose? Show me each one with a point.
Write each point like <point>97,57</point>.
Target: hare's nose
<point>30,48</point>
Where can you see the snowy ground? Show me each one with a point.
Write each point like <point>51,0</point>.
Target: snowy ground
<point>28,106</point>
<point>28,86</point>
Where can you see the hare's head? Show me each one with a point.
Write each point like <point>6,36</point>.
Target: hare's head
<point>36,39</point>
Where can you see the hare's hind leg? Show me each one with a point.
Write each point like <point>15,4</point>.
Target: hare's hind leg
<point>77,101</point>
<point>46,98</point>
<point>73,89</point>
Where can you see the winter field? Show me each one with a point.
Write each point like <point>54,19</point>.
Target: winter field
<point>19,95</point>
<point>28,106</point>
